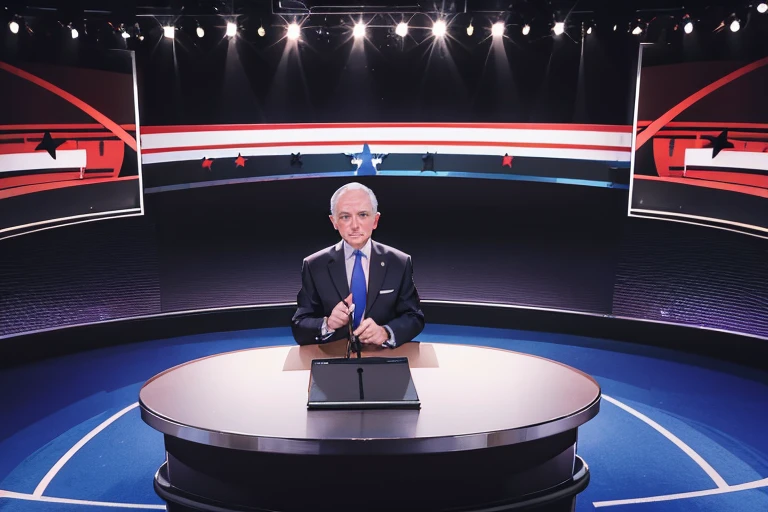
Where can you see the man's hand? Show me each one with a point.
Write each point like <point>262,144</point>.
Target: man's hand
<point>370,333</point>
<point>339,317</point>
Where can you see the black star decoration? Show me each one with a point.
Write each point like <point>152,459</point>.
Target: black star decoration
<point>428,162</point>
<point>49,144</point>
<point>720,143</point>
<point>296,160</point>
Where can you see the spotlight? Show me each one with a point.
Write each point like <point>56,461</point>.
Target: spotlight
<point>497,30</point>
<point>168,31</point>
<point>75,33</point>
<point>559,28</point>
<point>470,29</point>
<point>402,29</point>
<point>439,28</point>
<point>359,30</point>
<point>526,30</point>
<point>589,30</point>
<point>615,27</point>
<point>637,30</point>
<point>735,25</point>
<point>14,27</point>
<point>231,29</point>
<point>126,35</point>
<point>261,31</point>
<point>200,31</point>
<point>293,32</point>
<point>688,27</point>
<point>762,7</point>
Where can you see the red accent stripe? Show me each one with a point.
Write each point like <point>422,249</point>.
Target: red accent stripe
<point>743,189</point>
<point>315,126</point>
<point>672,113</point>
<point>58,135</point>
<point>542,145</point>
<point>55,127</point>
<point>670,134</point>
<point>18,191</point>
<point>713,124</point>
<point>77,102</point>
<point>737,178</point>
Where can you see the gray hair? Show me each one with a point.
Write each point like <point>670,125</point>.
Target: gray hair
<point>353,186</point>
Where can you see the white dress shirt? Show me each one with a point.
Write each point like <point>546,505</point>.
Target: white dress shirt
<point>349,261</point>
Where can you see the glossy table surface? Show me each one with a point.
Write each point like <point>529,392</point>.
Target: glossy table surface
<point>471,397</point>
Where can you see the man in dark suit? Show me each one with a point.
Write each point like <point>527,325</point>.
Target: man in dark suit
<point>371,281</point>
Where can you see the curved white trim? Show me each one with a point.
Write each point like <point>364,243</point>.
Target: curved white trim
<point>30,497</point>
<point>423,301</point>
<point>698,459</point>
<point>699,217</point>
<point>40,489</point>
<point>756,484</point>
<point>713,226</point>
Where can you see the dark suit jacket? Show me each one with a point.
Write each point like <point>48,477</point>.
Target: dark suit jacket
<point>324,284</point>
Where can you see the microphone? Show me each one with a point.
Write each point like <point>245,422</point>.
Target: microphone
<point>352,342</point>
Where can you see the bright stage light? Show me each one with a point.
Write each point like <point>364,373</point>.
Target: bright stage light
<point>14,26</point>
<point>402,29</point>
<point>261,31</point>
<point>169,32</point>
<point>293,32</point>
<point>359,30</point>
<point>637,30</point>
<point>559,28</point>
<point>126,35</point>
<point>497,30</point>
<point>735,26</point>
<point>470,30</point>
<point>762,7</point>
<point>439,28</point>
<point>688,28</point>
<point>75,33</point>
<point>200,32</point>
<point>589,30</point>
<point>526,30</point>
<point>231,29</point>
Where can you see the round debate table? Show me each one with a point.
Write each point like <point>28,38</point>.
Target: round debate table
<point>497,430</point>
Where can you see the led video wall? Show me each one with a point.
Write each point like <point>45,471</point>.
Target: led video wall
<point>201,155</point>
<point>251,111</point>
<point>701,149</point>
<point>68,143</point>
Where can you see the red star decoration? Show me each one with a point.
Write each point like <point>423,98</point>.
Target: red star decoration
<point>506,160</point>
<point>240,161</point>
<point>207,162</point>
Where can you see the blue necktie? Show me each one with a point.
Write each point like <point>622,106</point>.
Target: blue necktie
<point>358,289</point>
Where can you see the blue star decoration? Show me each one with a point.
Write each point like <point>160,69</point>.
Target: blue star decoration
<point>366,161</point>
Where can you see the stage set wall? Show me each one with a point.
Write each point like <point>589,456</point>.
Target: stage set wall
<point>539,246</point>
<point>536,245</point>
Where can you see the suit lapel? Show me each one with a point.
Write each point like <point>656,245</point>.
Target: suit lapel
<point>338,271</point>
<point>376,272</point>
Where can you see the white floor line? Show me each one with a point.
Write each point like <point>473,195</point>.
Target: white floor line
<point>40,489</point>
<point>683,495</point>
<point>48,499</point>
<point>676,440</point>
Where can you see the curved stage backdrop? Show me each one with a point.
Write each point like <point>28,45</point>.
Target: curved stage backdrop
<point>503,170</point>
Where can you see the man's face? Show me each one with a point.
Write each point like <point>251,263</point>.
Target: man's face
<point>354,217</point>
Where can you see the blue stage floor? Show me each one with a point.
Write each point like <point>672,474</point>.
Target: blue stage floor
<point>675,432</point>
